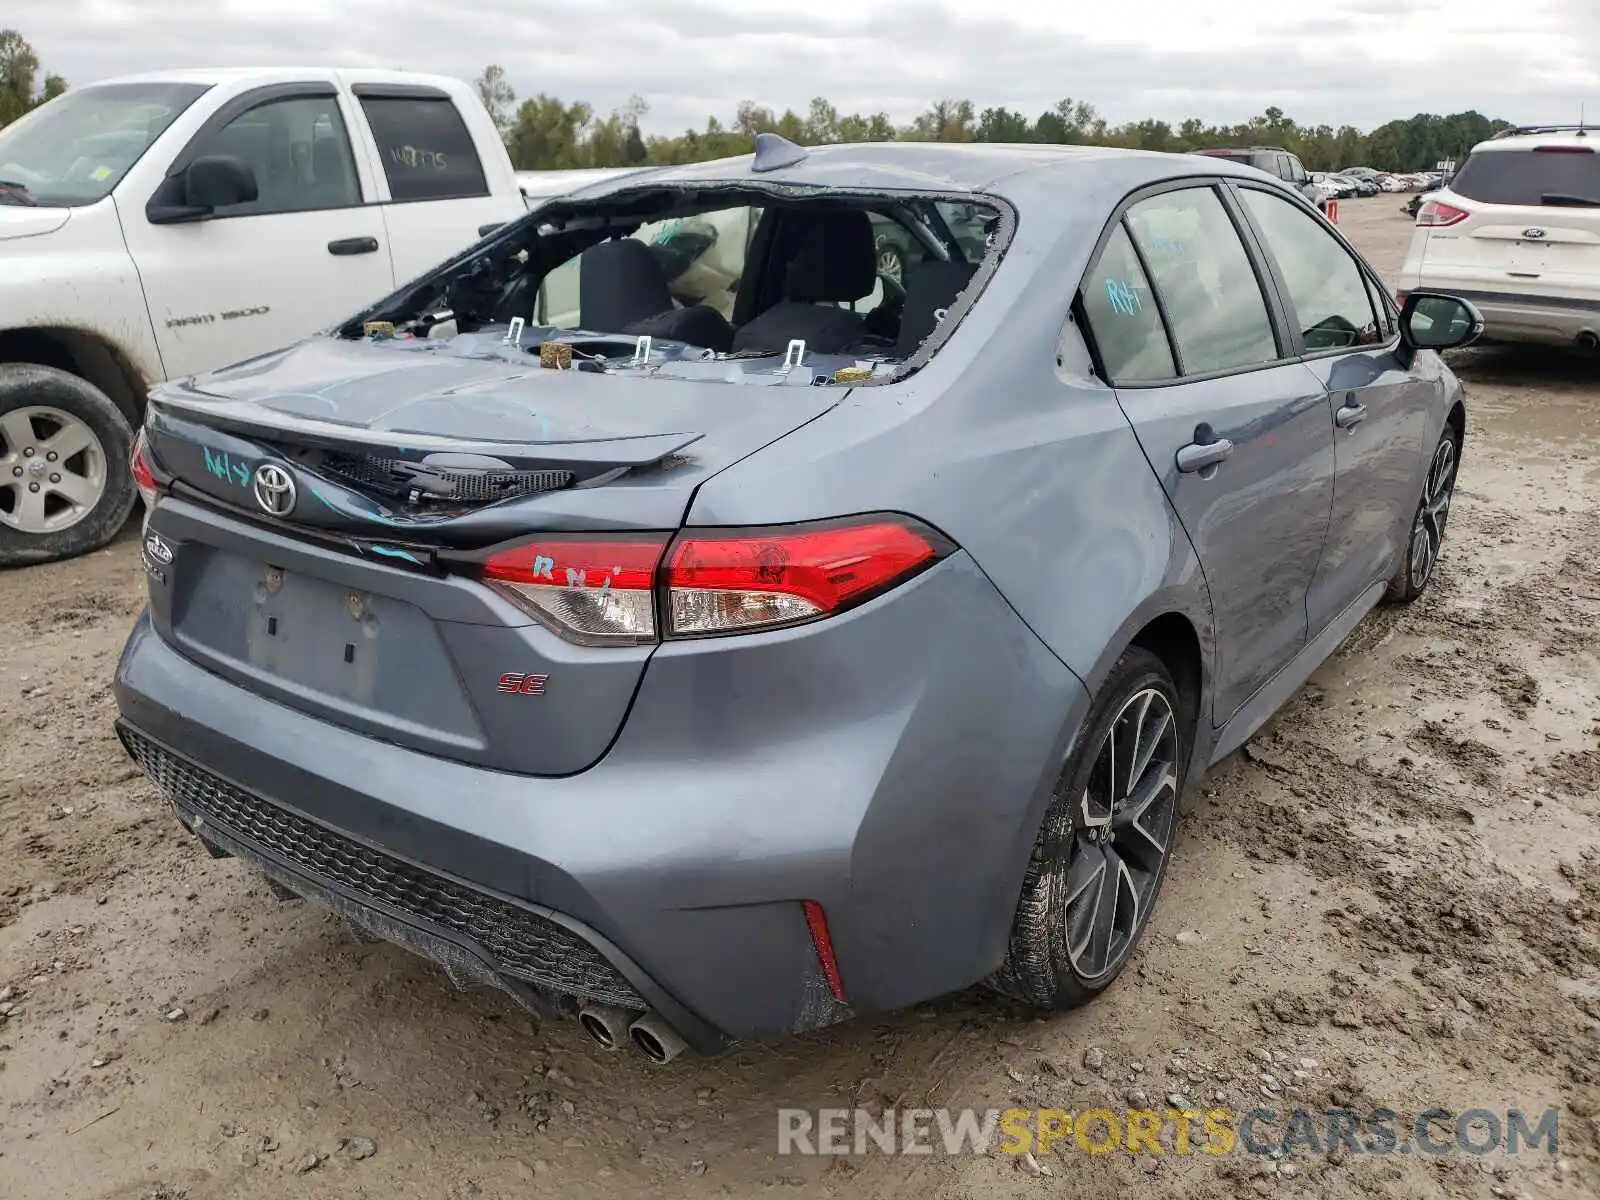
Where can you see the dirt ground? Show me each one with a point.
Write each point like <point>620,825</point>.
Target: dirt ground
<point>1391,899</point>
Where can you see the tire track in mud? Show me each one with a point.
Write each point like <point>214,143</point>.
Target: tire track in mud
<point>1505,965</point>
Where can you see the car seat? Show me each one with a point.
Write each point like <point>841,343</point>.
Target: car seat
<point>835,264</point>
<point>622,289</point>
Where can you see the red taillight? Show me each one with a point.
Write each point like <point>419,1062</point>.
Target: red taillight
<point>817,923</point>
<point>143,477</point>
<point>731,580</point>
<point>1563,149</point>
<point>602,589</point>
<point>1435,214</point>
<point>594,589</point>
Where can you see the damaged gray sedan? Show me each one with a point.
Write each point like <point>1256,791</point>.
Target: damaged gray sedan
<point>662,614</point>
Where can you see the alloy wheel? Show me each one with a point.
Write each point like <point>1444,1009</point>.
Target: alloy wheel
<point>890,263</point>
<point>1125,826</point>
<point>1427,532</point>
<point>52,469</point>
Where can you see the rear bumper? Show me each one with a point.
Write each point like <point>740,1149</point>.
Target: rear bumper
<point>892,764</point>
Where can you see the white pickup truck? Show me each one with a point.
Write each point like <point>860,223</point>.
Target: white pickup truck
<point>155,226</point>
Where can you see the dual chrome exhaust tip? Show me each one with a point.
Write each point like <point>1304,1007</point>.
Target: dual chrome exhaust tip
<point>611,1028</point>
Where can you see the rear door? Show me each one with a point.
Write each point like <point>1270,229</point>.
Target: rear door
<point>1532,224</point>
<point>306,252</point>
<point>441,194</point>
<point>1349,339</point>
<point>1239,434</point>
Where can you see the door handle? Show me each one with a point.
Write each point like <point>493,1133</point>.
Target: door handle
<point>486,230</point>
<point>1197,456</point>
<point>359,245</point>
<point>1348,416</point>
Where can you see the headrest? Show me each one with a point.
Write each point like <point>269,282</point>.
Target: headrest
<point>620,282</point>
<point>835,261</point>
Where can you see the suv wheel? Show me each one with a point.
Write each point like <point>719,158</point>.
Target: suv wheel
<point>65,484</point>
<point>1102,852</point>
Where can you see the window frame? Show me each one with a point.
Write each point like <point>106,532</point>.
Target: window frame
<point>1390,325</point>
<point>247,102</point>
<point>1283,333</point>
<point>422,93</point>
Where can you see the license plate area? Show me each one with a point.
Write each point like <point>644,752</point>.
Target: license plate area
<point>324,637</point>
<point>359,658</point>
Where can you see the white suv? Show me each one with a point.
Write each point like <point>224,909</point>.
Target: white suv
<point>1517,231</point>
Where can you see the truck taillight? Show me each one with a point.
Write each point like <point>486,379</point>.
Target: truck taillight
<point>603,589</point>
<point>1435,214</point>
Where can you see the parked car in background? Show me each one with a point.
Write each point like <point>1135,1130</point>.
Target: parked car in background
<point>1277,162</point>
<point>1362,179</point>
<point>708,676</point>
<point>1333,185</point>
<point>1517,231</point>
<point>160,225</point>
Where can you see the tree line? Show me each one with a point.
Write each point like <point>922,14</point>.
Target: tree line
<point>545,132</point>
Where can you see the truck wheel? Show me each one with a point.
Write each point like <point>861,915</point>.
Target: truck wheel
<point>65,484</point>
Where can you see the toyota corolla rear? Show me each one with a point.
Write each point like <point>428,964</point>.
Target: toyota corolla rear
<point>428,639</point>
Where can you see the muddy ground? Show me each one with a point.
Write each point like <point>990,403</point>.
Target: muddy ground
<point>1393,896</point>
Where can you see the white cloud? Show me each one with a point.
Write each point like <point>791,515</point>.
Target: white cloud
<point>1340,61</point>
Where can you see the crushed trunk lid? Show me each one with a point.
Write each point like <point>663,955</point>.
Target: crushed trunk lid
<point>459,444</point>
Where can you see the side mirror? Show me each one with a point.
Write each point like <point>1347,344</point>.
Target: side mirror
<point>208,183</point>
<point>219,181</point>
<point>1433,321</point>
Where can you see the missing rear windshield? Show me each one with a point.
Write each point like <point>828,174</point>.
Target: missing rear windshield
<point>1555,176</point>
<point>675,281</point>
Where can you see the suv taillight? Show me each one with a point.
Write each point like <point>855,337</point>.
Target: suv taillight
<point>1436,214</point>
<point>600,589</point>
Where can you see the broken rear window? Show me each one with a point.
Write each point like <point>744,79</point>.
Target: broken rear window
<point>669,276</point>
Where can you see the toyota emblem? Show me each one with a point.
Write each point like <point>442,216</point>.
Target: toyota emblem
<point>274,490</point>
<point>1533,234</point>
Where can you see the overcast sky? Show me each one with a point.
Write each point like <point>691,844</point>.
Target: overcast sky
<point>1323,61</point>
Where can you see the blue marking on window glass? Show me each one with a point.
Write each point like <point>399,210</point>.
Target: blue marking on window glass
<point>1123,298</point>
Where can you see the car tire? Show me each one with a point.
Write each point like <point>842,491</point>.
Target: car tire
<point>1426,542</point>
<point>53,508</point>
<point>1095,849</point>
